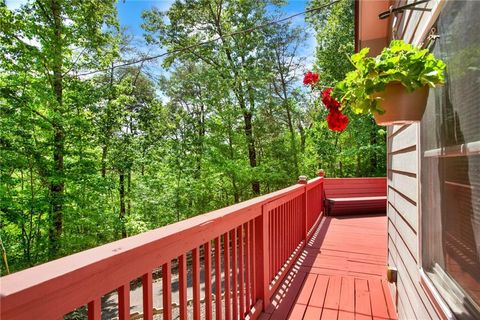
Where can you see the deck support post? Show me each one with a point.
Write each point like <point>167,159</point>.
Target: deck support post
<point>303,180</point>
<point>323,208</point>
<point>262,261</point>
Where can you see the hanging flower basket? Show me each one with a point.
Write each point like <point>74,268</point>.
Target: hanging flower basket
<point>401,106</point>
<point>392,86</point>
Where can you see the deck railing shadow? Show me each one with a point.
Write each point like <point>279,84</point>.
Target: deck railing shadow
<point>288,290</point>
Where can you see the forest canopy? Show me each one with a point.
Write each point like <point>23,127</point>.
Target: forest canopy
<point>91,157</point>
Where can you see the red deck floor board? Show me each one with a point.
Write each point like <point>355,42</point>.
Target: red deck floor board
<point>379,305</point>
<point>319,292</point>
<point>313,313</point>
<point>362,299</point>
<point>340,275</point>
<point>347,296</point>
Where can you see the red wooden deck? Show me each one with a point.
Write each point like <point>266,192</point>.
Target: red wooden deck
<point>275,259</point>
<point>340,274</point>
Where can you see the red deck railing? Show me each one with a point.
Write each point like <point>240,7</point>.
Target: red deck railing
<point>247,247</point>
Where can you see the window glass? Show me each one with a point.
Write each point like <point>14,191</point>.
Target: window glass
<point>451,163</point>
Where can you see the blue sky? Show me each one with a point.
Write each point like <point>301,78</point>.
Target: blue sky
<point>130,11</point>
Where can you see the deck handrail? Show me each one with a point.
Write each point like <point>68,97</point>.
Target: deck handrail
<point>243,233</point>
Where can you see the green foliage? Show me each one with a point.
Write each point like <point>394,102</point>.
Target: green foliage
<point>140,153</point>
<point>400,62</point>
<point>360,149</point>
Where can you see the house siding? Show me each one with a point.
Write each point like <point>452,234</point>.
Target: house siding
<point>403,187</point>
<point>403,223</point>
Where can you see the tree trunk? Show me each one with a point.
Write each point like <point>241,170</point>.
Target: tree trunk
<point>252,154</point>
<point>200,139</point>
<point>129,189</point>
<point>284,97</point>
<point>303,137</point>
<point>293,142</point>
<point>236,195</point>
<point>57,184</point>
<point>239,92</point>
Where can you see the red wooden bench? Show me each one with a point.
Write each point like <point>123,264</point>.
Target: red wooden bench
<point>348,196</point>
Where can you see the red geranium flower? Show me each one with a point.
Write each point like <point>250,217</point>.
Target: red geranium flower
<point>310,78</point>
<point>328,101</point>
<point>336,120</point>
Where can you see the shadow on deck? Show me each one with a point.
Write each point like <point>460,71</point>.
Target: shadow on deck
<point>339,275</point>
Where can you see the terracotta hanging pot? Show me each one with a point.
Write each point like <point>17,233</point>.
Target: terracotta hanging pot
<point>401,106</point>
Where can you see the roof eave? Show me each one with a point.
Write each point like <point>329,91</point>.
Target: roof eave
<point>370,31</point>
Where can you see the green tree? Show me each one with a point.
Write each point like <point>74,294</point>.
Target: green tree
<point>231,57</point>
<point>45,44</point>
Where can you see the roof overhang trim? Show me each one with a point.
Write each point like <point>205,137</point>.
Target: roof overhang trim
<point>370,31</point>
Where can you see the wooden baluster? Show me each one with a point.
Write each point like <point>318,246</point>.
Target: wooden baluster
<point>182,273</point>
<point>241,255</point>
<point>218,281</point>
<point>281,211</point>
<point>226,265</point>
<point>207,256</point>
<point>248,255</point>
<point>270,240</point>
<point>287,228</point>
<point>304,210</point>
<point>167,290</point>
<point>322,199</point>
<point>233,235</point>
<point>317,201</point>
<point>298,225</point>
<point>124,302</point>
<point>293,221</point>
<point>196,283</point>
<point>279,238</point>
<point>262,263</point>
<point>147,296</point>
<point>95,309</point>
<point>253,260</point>
<point>312,211</point>
<point>274,244</point>
<point>312,203</point>
<point>284,233</point>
